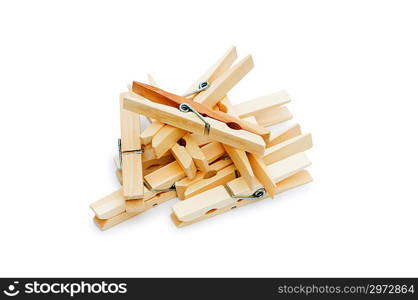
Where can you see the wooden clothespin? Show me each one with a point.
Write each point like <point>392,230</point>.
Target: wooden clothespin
<point>189,121</point>
<point>284,134</point>
<point>184,104</point>
<point>268,110</point>
<point>225,82</point>
<point>192,147</point>
<point>165,177</point>
<point>215,71</point>
<point>166,138</point>
<point>130,152</point>
<point>220,172</point>
<point>298,179</point>
<point>224,198</point>
<point>105,224</point>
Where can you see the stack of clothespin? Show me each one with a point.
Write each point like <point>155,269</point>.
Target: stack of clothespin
<point>212,155</point>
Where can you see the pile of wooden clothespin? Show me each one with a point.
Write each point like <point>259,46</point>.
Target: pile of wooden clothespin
<point>213,155</point>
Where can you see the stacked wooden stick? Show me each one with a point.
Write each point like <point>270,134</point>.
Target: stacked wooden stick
<point>213,155</point>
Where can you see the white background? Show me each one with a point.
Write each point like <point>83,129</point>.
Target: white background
<point>350,68</point>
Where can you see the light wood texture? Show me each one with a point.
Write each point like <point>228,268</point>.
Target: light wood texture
<point>150,159</point>
<point>110,205</point>
<point>196,153</point>
<point>105,224</point>
<point>287,148</point>
<point>261,104</point>
<point>216,70</point>
<point>184,184</point>
<point>213,151</point>
<point>201,140</point>
<point>262,174</point>
<point>242,163</point>
<point>152,168</point>
<point>132,176</point>
<point>130,128</point>
<point>224,83</point>
<point>131,162</point>
<point>219,178</point>
<point>296,180</point>
<point>220,132</point>
<point>284,135</point>
<point>150,132</point>
<point>166,176</point>
<point>293,181</point>
<point>109,223</point>
<point>204,203</point>
<point>252,119</point>
<point>277,171</point>
<point>153,82</point>
<point>225,105</point>
<point>273,116</point>
<point>165,139</point>
<point>184,159</point>
<point>160,96</point>
<point>288,166</point>
<point>133,206</point>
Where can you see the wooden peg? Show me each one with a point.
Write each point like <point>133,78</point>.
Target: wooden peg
<point>224,83</point>
<point>153,82</point>
<point>293,181</point>
<point>296,180</point>
<point>152,202</point>
<point>160,96</point>
<point>213,151</point>
<point>284,135</point>
<point>115,220</point>
<point>110,205</point>
<point>219,131</point>
<point>210,180</point>
<point>131,157</point>
<point>185,186</point>
<point>277,171</point>
<point>273,116</point>
<point>287,148</point>
<point>261,104</point>
<point>150,159</point>
<point>286,167</point>
<point>201,140</point>
<point>166,176</point>
<point>262,174</point>
<point>165,139</point>
<point>152,168</point>
<point>204,203</point>
<point>241,162</point>
<point>200,207</point>
<point>195,152</point>
<point>150,132</point>
<point>133,206</point>
<point>184,159</point>
<point>216,70</point>
<point>225,106</point>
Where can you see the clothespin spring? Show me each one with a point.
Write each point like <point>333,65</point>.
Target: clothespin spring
<point>184,107</point>
<point>202,86</point>
<point>137,151</point>
<point>261,192</point>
